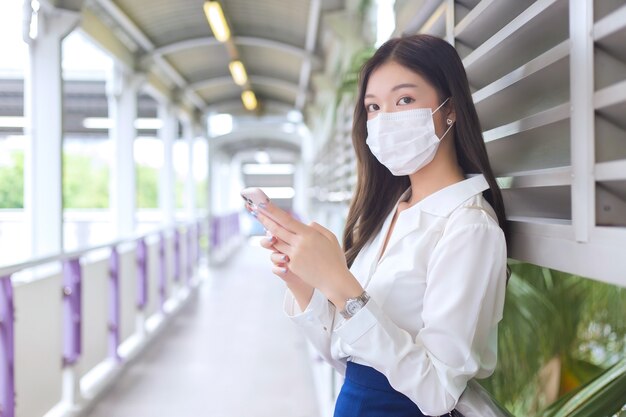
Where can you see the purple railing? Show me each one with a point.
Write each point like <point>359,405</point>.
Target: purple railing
<point>72,276</point>
<point>7,347</point>
<point>142,274</point>
<point>114,306</point>
<point>223,228</point>
<point>72,308</point>
<point>162,272</point>
<point>176,255</point>
<point>191,234</point>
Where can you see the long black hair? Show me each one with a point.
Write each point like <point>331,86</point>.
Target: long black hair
<point>377,189</point>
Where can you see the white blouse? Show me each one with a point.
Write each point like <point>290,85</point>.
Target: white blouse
<point>437,295</point>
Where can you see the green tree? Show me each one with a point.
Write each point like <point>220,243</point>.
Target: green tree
<point>201,193</point>
<point>147,187</point>
<point>12,182</point>
<point>576,325</point>
<point>85,182</point>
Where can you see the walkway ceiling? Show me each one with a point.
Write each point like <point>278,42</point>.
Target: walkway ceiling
<point>277,41</point>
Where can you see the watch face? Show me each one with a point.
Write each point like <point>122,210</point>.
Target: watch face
<point>353,307</point>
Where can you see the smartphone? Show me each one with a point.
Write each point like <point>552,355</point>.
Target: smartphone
<point>254,196</point>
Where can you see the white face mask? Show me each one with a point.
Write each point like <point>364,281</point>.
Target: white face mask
<point>404,141</point>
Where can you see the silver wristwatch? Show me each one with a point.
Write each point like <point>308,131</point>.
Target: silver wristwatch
<point>353,305</point>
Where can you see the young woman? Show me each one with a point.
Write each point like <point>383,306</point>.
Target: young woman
<point>408,309</point>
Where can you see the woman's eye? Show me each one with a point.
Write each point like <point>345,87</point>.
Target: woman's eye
<point>405,100</point>
<point>371,107</point>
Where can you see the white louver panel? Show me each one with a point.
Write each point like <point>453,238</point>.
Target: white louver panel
<point>549,82</point>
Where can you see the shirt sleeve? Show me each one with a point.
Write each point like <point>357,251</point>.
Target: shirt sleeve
<point>316,322</point>
<point>463,303</point>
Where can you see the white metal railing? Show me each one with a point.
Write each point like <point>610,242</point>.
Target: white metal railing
<point>67,329</point>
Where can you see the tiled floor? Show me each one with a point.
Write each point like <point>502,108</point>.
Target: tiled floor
<point>230,353</point>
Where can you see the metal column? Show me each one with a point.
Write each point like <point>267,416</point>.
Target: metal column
<point>122,88</point>
<point>190,182</point>
<point>43,109</point>
<point>167,134</point>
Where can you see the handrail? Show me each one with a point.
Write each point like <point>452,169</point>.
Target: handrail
<point>72,314</point>
<point>63,256</point>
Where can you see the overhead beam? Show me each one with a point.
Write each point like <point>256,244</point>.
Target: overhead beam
<point>142,40</point>
<point>259,80</point>
<point>251,41</point>
<point>234,106</point>
<point>311,39</point>
<point>103,36</point>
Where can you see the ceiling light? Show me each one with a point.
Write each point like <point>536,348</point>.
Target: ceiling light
<point>106,123</point>
<point>262,157</point>
<point>279,192</point>
<point>217,21</point>
<point>249,100</point>
<point>238,71</point>
<point>268,169</point>
<point>12,121</point>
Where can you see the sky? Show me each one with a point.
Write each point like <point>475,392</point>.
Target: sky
<point>82,57</point>
<point>78,53</point>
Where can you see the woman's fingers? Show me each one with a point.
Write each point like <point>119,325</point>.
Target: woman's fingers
<point>281,217</point>
<point>279,259</point>
<point>324,231</point>
<point>281,271</point>
<point>276,229</point>
<point>268,242</point>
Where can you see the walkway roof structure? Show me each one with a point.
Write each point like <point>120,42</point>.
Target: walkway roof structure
<point>278,41</point>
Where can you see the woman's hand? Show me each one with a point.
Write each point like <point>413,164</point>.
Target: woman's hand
<point>300,289</point>
<point>312,253</point>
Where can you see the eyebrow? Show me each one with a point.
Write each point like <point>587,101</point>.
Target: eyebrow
<point>397,87</point>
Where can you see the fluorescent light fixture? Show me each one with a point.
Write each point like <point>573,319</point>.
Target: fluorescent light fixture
<point>217,21</point>
<point>294,116</point>
<point>148,124</point>
<point>97,123</point>
<point>279,192</point>
<point>262,157</point>
<point>106,123</point>
<point>249,100</point>
<point>238,72</point>
<point>12,121</point>
<point>268,169</point>
<point>288,127</point>
<point>220,124</point>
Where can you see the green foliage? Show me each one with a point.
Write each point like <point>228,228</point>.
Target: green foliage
<point>605,395</point>
<point>12,182</point>
<point>201,193</point>
<point>179,191</point>
<point>85,182</point>
<point>350,79</point>
<point>147,187</point>
<point>550,314</point>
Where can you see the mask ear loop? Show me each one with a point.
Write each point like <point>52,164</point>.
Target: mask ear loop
<point>448,121</point>
<point>440,106</point>
<point>450,124</point>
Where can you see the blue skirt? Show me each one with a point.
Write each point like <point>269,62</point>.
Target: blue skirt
<point>367,393</point>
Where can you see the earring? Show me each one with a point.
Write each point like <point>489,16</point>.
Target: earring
<point>449,121</point>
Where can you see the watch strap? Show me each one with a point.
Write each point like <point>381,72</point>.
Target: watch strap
<point>353,305</point>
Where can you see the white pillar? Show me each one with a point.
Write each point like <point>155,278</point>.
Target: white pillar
<point>43,107</point>
<point>122,88</point>
<point>190,181</point>
<point>167,134</point>
<point>582,120</point>
<point>234,179</point>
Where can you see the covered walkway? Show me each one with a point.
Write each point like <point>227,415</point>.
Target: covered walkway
<point>130,280</point>
<point>229,352</point>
